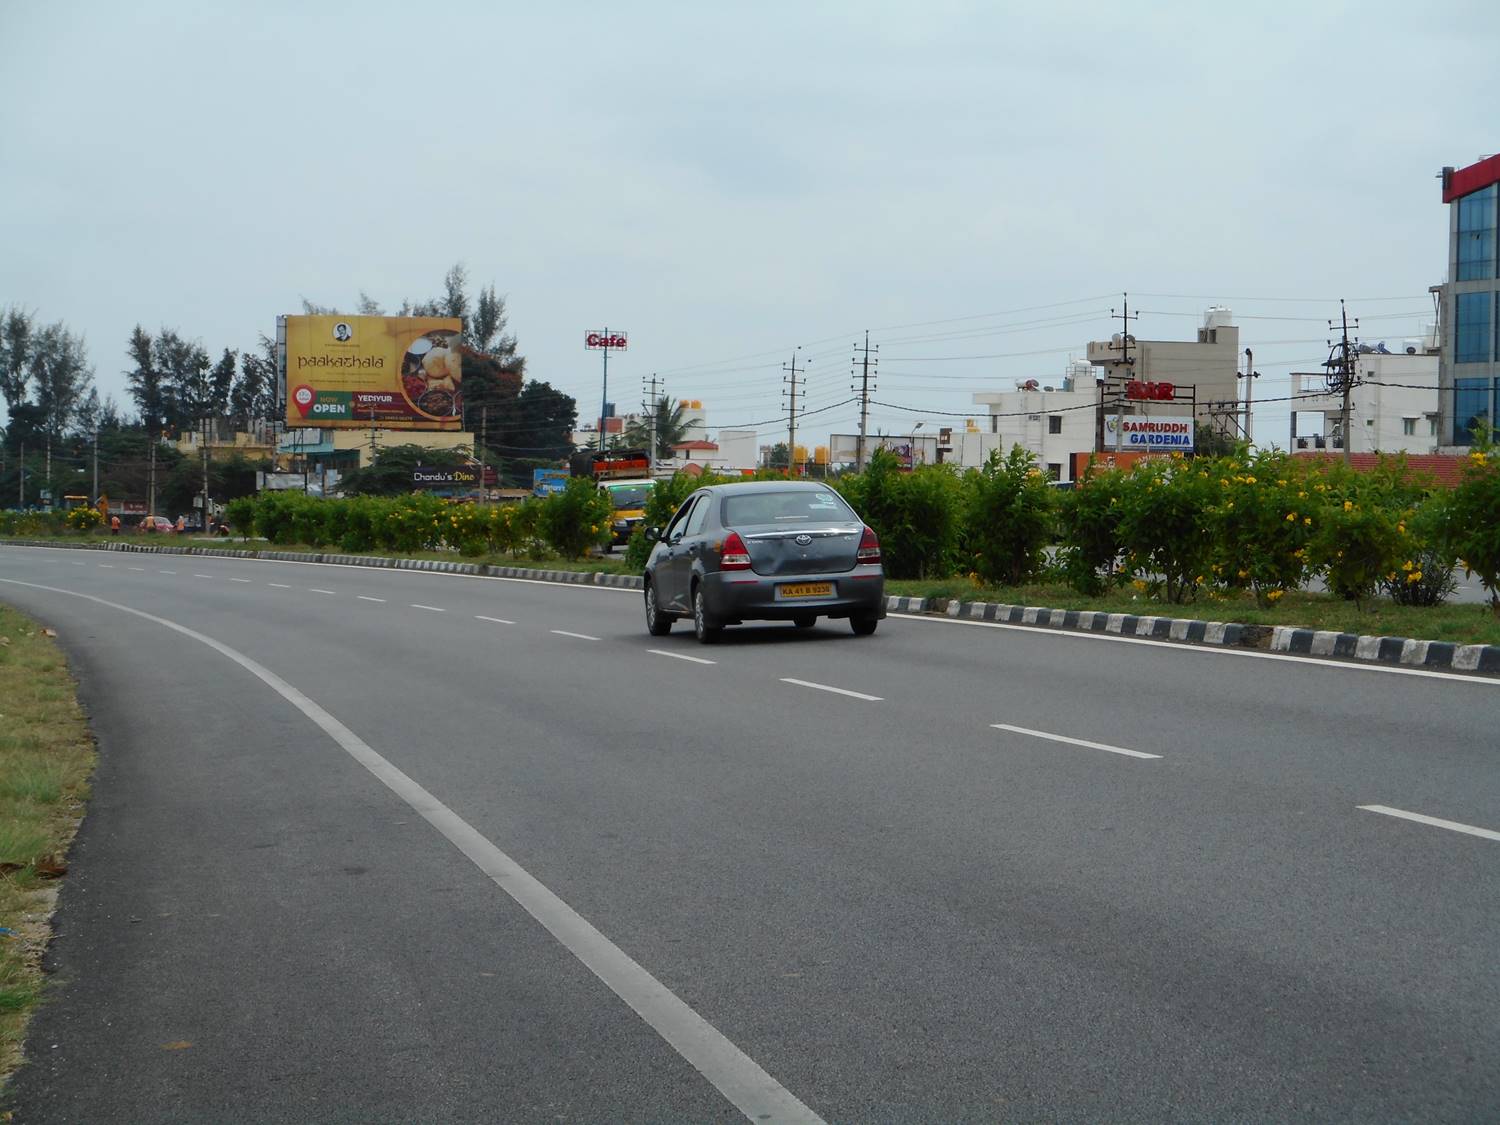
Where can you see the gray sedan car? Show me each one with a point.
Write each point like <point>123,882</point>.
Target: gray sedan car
<point>763,551</point>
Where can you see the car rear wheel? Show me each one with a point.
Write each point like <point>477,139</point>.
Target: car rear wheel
<point>805,621</point>
<point>863,626</point>
<point>705,628</point>
<point>658,624</point>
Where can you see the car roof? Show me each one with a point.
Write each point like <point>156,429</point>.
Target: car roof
<point>750,487</point>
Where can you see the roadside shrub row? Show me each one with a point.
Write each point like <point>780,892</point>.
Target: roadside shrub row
<point>1179,528</point>
<point>1173,529</point>
<point>569,523</point>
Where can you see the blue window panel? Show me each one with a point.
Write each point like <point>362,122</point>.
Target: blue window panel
<point>1473,401</point>
<point>1473,332</point>
<point>1476,234</point>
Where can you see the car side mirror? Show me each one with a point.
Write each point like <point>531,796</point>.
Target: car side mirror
<point>652,534</point>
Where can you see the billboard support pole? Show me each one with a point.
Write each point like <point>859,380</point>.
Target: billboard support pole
<point>604,397</point>
<point>484,432</point>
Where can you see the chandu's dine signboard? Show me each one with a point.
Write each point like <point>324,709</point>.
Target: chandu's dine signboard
<point>396,372</point>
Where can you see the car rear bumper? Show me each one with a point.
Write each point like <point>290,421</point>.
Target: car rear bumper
<point>746,596</point>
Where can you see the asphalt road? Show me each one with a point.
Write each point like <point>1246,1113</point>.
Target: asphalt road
<point>314,880</point>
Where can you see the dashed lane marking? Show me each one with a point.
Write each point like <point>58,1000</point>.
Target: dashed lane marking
<point>496,620</point>
<point>279,585</point>
<point>1074,741</point>
<point>835,690</point>
<point>680,656</point>
<point>580,636</point>
<point>429,608</point>
<point>1436,822</point>
<point>367,598</point>
<point>316,590</point>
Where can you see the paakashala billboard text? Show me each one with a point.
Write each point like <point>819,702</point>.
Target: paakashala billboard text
<point>395,372</point>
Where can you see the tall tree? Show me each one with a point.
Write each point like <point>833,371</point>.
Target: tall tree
<point>184,365</point>
<point>145,383</point>
<point>16,327</point>
<point>541,425</point>
<point>221,384</point>
<point>253,394</point>
<point>60,374</point>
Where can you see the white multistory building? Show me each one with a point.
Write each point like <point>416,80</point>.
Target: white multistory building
<point>1394,406</point>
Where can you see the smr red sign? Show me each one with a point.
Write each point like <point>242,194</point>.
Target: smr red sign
<point>615,341</point>
<point>1150,391</point>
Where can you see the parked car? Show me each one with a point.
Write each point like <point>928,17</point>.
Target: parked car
<point>763,551</point>
<point>156,523</point>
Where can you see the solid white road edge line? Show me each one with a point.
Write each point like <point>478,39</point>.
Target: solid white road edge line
<point>1074,741</point>
<point>835,690</point>
<point>1215,650</point>
<point>496,620</point>
<point>367,598</point>
<point>1451,825</point>
<point>429,608</point>
<point>680,656</point>
<point>580,636</point>
<point>735,1074</point>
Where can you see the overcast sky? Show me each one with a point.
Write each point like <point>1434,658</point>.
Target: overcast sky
<point>728,182</point>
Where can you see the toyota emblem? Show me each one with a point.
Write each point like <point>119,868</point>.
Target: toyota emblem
<point>803,540</point>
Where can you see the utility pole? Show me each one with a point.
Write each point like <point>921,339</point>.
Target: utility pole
<point>151,472</point>
<point>651,401</point>
<point>862,357</point>
<point>791,418</point>
<point>372,435</point>
<point>1126,360</point>
<point>204,524</point>
<point>484,437</point>
<point>1250,376</point>
<point>96,466</point>
<point>1343,358</point>
<point>21,465</point>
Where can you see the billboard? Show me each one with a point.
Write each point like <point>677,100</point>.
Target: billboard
<point>396,372</point>
<point>428,476</point>
<point>1154,434</point>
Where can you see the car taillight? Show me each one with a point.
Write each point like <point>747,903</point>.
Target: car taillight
<point>869,547</point>
<point>734,554</point>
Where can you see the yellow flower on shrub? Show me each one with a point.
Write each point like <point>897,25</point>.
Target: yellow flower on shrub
<point>1242,574</point>
<point>1274,595</point>
<point>1348,505</point>
<point>1291,517</point>
<point>1414,576</point>
<point>1307,520</point>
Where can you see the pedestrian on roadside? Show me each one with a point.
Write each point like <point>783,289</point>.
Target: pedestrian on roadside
<point>114,525</point>
<point>181,524</point>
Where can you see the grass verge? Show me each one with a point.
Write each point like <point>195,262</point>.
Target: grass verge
<point>46,756</point>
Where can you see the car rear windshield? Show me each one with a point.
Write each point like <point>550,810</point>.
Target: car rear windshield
<point>784,507</point>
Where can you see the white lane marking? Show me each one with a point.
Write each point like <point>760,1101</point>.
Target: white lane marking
<point>1214,650</point>
<point>367,598</point>
<point>1451,825</point>
<point>139,568</point>
<point>166,572</point>
<point>580,636</point>
<point>279,585</point>
<point>239,580</point>
<point>72,562</point>
<point>203,576</point>
<point>431,608</point>
<point>1074,741</point>
<point>108,566</point>
<point>733,1073</point>
<point>496,620</point>
<point>315,590</point>
<point>835,690</point>
<point>680,656</point>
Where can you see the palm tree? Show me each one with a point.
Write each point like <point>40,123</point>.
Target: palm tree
<point>670,428</point>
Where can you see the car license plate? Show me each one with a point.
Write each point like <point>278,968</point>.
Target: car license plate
<point>805,590</point>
